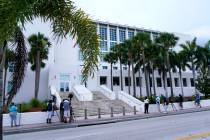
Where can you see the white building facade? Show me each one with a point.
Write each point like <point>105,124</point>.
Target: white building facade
<point>63,68</point>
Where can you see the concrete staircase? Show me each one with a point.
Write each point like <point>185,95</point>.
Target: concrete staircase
<point>99,101</point>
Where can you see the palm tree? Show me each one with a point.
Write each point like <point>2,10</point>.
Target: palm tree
<point>142,40</point>
<point>168,41</point>
<point>119,50</point>
<point>65,18</point>
<point>111,58</point>
<point>180,61</point>
<point>39,52</point>
<point>190,50</point>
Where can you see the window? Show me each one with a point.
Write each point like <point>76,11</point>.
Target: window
<point>125,68</point>
<point>184,82</point>
<point>104,67</point>
<point>103,46</point>
<point>130,34</point>
<point>81,58</point>
<point>112,44</point>
<point>11,67</point>
<point>64,82</point>
<point>155,35</point>
<point>116,81</point>
<point>102,54</point>
<point>127,81</point>
<point>159,83</point>
<point>102,80</point>
<point>122,35</point>
<point>115,68</point>
<point>192,82</point>
<point>168,82</point>
<point>103,32</point>
<point>137,81</point>
<point>9,86</point>
<point>113,34</point>
<point>176,82</point>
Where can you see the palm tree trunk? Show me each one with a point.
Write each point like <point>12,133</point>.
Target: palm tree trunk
<point>111,78</point>
<point>180,79</point>
<point>153,81</point>
<point>4,90</point>
<point>165,83</point>
<point>129,80</point>
<point>193,71</point>
<point>121,80</point>
<point>145,75</point>
<point>134,80</point>
<point>140,90</point>
<point>170,76</point>
<point>37,74</point>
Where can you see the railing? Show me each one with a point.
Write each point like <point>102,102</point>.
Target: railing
<point>130,100</point>
<point>101,112</point>
<point>82,93</point>
<point>107,92</point>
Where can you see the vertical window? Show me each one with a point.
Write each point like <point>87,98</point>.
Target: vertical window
<point>113,34</point>
<point>192,82</point>
<point>64,82</point>
<point>103,46</point>
<point>127,81</point>
<point>184,82</point>
<point>130,34</point>
<point>138,81</point>
<point>176,82</point>
<point>168,82</point>
<point>103,80</point>
<point>103,32</point>
<point>159,83</point>
<point>122,35</point>
<point>125,68</point>
<point>116,81</point>
<point>155,35</point>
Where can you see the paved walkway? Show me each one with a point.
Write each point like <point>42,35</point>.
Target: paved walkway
<point>94,121</point>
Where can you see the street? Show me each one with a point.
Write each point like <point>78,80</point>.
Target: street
<point>177,127</point>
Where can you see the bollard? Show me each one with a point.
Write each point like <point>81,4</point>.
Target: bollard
<point>85,111</point>
<point>112,115</point>
<point>123,111</point>
<point>99,113</point>
<point>134,109</point>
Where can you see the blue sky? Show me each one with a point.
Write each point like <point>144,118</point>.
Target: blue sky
<point>183,16</point>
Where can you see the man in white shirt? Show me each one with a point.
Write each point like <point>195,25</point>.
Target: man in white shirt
<point>146,105</point>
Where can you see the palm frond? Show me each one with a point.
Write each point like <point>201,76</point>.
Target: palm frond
<point>20,64</point>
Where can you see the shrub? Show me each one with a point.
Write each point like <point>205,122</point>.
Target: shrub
<point>25,107</point>
<point>35,103</point>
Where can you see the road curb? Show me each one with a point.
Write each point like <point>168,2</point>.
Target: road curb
<point>102,121</point>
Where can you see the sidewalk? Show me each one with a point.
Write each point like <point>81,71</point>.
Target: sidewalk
<point>94,121</point>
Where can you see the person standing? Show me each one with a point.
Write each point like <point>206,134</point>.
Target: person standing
<point>171,101</point>
<point>13,114</point>
<point>197,100</point>
<point>180,101</point>
<point>146,105</point>
<point>61,111</point>
<point>165,104</point>
<point>158,103</point>
<point>66,107</point>
<point>49,111</point>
